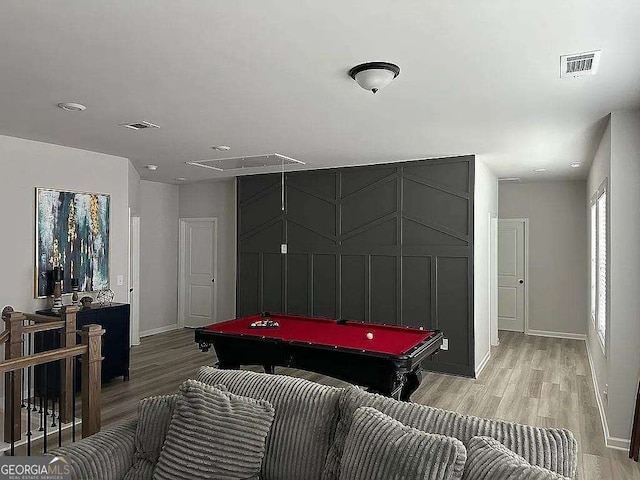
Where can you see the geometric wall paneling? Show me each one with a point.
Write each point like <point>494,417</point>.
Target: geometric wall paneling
<point>369,204</point>
<point>321,183</point>
<point>324,286</point>
<point>446,210</point>
<point>384,289</point>
<point>297,279</point>
<point>386,243</point>
<point>248,283</point>
<point>380,232</point>
<point>272,283</point>
<point>259,211</point>
<point>255,185</point>
<point>313,213</point>
<point>414,232</point>
<point>446,174</point>
<point>354,287</point>
<point>353,180</point>
<point>416,292</point>
<point>452,305</point>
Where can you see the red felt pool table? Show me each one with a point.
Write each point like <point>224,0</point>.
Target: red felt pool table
<point>387,361</point>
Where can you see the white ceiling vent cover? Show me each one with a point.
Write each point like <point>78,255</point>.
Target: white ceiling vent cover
<point>579,64</point>
<point>139,125</point>
<point>243,163</point>
<point>509,180</point>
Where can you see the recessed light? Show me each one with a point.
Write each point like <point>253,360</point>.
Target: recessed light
<point>181,179</point>
<point>153,168</point>
<point>221,148</point>
<point>72,107</point>
<point>540,170</point>
<point>575,164</point>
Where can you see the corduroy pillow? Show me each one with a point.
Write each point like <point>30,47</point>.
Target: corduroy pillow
<point>214,435</point>
<point>488,459</point>
<point>381,448</point>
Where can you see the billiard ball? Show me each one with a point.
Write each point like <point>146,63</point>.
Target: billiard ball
<point>370,336</point>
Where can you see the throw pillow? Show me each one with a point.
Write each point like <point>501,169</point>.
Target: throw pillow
<point>214,435</point>
<point>381,448</point>
<point>488,459</point>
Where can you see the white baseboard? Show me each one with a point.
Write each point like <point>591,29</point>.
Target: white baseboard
<point>483,363</point>
<point>611,442</point>
<point>155,331</point>
<point>570,336</point>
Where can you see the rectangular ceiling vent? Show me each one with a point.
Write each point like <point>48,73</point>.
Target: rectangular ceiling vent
<point>139,125</point>
<point>509,180</point>
<point>248,162</point>
<point>579,64</point>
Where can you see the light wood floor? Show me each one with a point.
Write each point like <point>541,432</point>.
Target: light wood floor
<point>539,381</point>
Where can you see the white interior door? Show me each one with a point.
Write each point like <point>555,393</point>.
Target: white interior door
<point>511,275</point>
<point>198,271</point>
<point>134,279</point>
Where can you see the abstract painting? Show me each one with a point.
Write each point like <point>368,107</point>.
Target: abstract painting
<point>72,231</point>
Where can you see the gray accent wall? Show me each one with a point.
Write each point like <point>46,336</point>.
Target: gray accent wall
<point>390,243</point>
<point>558,255</point>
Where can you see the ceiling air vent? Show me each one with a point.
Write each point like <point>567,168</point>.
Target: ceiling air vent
<point>509,180</point>
<point>139,125</point>
<point>241,163</point>
<point>579,64</point>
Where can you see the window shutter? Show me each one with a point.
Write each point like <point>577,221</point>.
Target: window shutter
<point>602,267</point>
<point>593,254</point>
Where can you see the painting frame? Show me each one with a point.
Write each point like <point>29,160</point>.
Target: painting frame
<point>104,216</point>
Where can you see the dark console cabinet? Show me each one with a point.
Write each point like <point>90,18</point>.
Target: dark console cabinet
<point>114,319</point>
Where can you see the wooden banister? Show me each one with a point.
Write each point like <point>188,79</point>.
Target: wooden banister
<point>40,358</point>
<point>67,339</point>
<point>41,327</point>
<point>37,318</point>
<point>13,323</point>
<point>4,337</point>
<point>91,379</point>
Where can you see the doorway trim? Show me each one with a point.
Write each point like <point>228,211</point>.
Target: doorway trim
<point>182,266</point>
<point>526,269</point>
<point>493,279</point>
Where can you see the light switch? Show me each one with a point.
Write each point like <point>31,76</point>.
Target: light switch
<point>283,248</point>
<point>120,280</point>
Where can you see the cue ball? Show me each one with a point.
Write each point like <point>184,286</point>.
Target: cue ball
<point>370,336</point>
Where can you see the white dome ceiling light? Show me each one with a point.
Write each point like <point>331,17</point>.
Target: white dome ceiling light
<point>374,76</point>
<point>72,107</point>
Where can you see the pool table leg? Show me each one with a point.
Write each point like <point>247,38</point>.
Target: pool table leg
<point>270,369</point>
<point>411,384</point>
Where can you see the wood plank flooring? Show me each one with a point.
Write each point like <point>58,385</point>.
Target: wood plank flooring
<point>535,380</point>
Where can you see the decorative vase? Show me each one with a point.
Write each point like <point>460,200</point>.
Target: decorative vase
<point>58,275</point>
<point>75,286</point>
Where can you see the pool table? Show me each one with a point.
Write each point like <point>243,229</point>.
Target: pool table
<point>386,359</point>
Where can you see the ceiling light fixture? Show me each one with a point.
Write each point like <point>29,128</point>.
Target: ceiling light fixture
<point>575,164</point>
<point>540,170</point>
<point>221,148</point>
<point>153,168</point>
<point>72,107</point>
<point>373,76</point>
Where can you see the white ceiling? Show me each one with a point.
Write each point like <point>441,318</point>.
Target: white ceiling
<point>269,76</point>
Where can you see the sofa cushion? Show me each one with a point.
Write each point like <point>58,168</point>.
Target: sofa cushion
<point>378,447</point>
<point>154,416</point>
<point>489,459</point>
<point>214,435</point>
<point>551,448</point>
<point>304,424</point>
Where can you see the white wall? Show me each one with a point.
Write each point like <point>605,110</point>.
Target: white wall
<point>217,199</point>
<point>557,251</point>
<point>600,170</point>
<point>24,165</point>
<point>485,204</point>
<point>134,190</point>
<point>158,256</point>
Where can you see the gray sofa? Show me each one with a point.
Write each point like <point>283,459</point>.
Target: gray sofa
<point>307,438</point>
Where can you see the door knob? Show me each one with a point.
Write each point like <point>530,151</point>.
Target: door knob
<point>213,280</point>
<point>521,281</point>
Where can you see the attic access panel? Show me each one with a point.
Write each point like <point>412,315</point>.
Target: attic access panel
<point>248,162</point>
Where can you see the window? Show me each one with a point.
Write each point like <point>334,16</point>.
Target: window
<point>598,254</point>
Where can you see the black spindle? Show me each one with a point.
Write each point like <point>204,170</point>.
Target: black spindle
<point>73,401</point>
<point>12,410</point>
<point>46,404</point>
<point>29,409</point>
